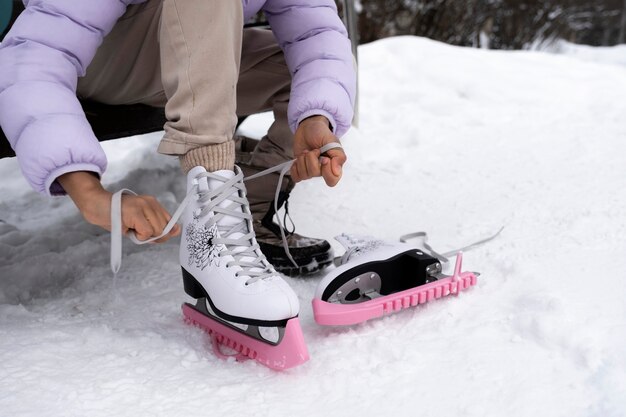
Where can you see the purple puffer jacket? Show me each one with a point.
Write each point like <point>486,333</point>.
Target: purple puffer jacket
<point>53,41</point>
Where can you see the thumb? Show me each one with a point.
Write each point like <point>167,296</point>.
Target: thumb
<point>332,166</point>
<point>337,159</point>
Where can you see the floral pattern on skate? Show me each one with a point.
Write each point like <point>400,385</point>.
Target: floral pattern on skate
<point>202,251</point>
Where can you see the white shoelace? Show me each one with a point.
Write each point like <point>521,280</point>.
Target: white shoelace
<point>247,256</point>
<point>443,257</point>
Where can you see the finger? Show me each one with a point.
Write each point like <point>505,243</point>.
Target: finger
<point>295,175</point>
<point>332,166</point>
<point>139,220</point>
<point>169,235</point>
<point>157,221</point>
<point>301,163</point>
<point>165,218</point>
<point>141,226</point>
<point>162,219</point>
<point>175,231</point>
<point>338,159</point>
<point>329,176</point>
<point>313,165</point>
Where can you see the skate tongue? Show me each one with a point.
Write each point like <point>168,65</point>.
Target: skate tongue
<point>224,173</point>
<point>192,180</point>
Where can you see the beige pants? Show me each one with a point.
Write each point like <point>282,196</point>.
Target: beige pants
<point>194,58</point>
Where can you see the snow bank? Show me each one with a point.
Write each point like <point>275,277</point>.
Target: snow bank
<point>454,141</point>
<point>604,55</point>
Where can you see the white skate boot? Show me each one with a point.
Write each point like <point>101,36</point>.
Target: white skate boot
<point>241,300</point>
<point>375,278</point>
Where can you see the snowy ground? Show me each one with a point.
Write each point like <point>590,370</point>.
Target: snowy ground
<point>454,141</point>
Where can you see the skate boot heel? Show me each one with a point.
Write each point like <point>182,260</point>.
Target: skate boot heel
<point>192,286</point>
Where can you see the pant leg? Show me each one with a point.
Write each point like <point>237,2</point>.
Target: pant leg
<point>265,84</point>
<point>200,59</point>
<point>126,68</point>
<point>183,55</point>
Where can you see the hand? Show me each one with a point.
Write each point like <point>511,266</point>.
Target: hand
<point>312,134</point>
<point>143,213</point>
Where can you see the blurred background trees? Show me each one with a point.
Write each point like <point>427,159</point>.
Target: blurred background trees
<point>498,24</point>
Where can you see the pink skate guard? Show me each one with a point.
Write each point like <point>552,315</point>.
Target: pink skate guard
<point>289,353</point>
<point>334,314</point>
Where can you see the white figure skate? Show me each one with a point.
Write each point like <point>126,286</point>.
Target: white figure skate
<point>240,299</point>
<point>375,278</point>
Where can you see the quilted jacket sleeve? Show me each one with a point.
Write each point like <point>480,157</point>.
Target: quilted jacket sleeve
<point>47,49</point>
<point>319,56</point>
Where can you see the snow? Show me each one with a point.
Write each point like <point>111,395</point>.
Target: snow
<point>605,55</point>
<point>455,141</point>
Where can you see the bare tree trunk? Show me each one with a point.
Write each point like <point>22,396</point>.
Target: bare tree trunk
<point>622,28</point>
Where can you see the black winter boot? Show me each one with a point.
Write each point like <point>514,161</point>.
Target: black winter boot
<point>311,254</point>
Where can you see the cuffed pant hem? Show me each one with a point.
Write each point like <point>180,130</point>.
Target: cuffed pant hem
<point>211,157</point>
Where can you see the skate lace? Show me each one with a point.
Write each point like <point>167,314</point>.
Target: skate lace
<point>244,249</point>
<point>288,216</point>
<point>444,257</point>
